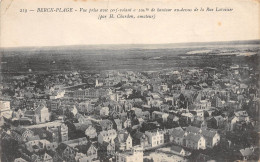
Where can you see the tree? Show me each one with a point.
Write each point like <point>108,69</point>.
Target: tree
<point>216,113</point>
<point>53,116</point>
<point>69,114</point>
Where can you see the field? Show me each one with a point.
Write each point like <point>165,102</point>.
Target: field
<point>133,57</point>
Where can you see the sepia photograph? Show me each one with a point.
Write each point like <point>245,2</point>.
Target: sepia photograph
<point>129,81</point>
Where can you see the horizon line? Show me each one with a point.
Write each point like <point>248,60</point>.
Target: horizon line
<point>133,44</point>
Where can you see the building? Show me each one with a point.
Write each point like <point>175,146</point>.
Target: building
<point>177,136</point>
<point>21,134</point>
<point>239,116</point>
<point>67,153</point>
<point>178,150</point>
<point>155,138</point>
<point>107,136</point>
<point>117,124</point>
<point>156,115</point>
<point>91,132</point>
<point>89,149</point>
<point>104,112</point>
<point>59,132</point>
<point>54,105</point>
<point>5,110</point>
<point>86,107</point>
<point>75,142</point>
<point>245,154</point>
<point>91,93</point>
<point>57,94</point>
<point>127,123</point>
<point>106,124</point>
<point>212,138</point>
<point>123,141</point>
<point>141,139</point>
<point>217,122</point>
<point>40,145</point>
<point>5,105</point>
<point>42,114</point>
<point>108,149</point>
<point>202,105</point>
<point>194,141</point>
<point>39,115</point>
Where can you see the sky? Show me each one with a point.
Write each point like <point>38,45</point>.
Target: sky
<point>18,29</point>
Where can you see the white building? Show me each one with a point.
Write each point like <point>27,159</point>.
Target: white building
<point>155,138</point>
<point>42,114</point>
<point>5,110</point>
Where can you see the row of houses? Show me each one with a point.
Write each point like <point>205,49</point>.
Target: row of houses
<point>194,138</point>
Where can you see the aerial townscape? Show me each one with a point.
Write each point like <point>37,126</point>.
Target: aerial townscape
<point>130,104</point>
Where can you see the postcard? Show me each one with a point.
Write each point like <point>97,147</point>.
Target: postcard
<point>129,80</point>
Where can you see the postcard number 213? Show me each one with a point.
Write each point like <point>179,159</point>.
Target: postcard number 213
<point>23,10</point>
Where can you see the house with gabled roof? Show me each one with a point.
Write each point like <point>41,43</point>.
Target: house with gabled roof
<point>45,158</point>
<point>55,156</point>
<point>146,115</point>
<point>199,122</point>
<point>66,152</point>
<point>141,139</point>
<point>217,122</point>
<point>21,134</point>
<point>42,133</point>
<point>127,123</point>
<point>89,149</point>
<point>42,114</point>
<point>106,136</point>
<point>194,141</point>
<point>117,124</point>
<point>246,153</point>
<point>195,130</point>
<point>212,137</point>
<point>107,149</point>
<point>106,124</point>
<point>155,137</point>
<point>176,136</point>
<point>178,150</point>
<point>123,141</point>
